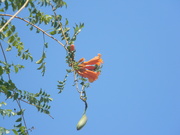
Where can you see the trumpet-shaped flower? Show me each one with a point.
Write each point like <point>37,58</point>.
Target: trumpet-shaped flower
<point>94,61</point>
<point>88,69</point>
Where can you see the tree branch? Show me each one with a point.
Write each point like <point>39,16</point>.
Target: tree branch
<point>14,15</point>
<point>37,28</point>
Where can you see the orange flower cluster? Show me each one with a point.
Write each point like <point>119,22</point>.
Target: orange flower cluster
<point>87,69</point>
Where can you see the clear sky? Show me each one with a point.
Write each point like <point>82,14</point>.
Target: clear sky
<point>138,91</point>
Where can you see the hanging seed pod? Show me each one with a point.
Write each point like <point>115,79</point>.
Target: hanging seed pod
<point>82,122</point>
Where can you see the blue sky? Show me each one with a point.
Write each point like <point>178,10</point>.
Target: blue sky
<point>138,92</point>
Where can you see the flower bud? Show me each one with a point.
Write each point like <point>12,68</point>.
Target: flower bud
<point>82,122</point>
<point>81,60</point>
<point>72,48</point>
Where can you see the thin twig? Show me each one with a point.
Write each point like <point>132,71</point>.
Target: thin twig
<point>22,115</point>
<point>37,28</point>
<point>35,106</point>
<point>14,15</point>
<point>76,82</point>
<point>84,98</point>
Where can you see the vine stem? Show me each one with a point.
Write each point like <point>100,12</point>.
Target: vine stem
<point>76,82</point>
<point>14,15</point>
<point>82,92</point>
<point>37,28</point>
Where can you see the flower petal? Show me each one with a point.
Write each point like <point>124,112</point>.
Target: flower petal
<point>96,60</point>
<point>91,75</point>
<point>81,60</point>
<point>90,67</point>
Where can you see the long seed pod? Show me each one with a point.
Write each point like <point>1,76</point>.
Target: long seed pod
<point>82,122</point>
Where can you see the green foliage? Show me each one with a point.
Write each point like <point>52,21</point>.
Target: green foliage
<point>6,112</point>
<point>41,59</point>
<point>7,68</point>
<point>13,40</point>
<point>1,70</point>
<point>40,100</point>
<point>4,131</point>
<point>61,84</point>
<point>42,64</point>
<point>35,18</point>
<point>77,30</point>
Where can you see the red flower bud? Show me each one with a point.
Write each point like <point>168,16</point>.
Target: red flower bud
<point>72,48</point>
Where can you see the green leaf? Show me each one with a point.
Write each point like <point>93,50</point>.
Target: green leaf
<point>44,93</point>
<point>60,86</point>
<point>16,96</point>
<point>8,94</point>
<point>1,70</point>
<point>53,32</point>
<point>4,88</point>
<point>3,130</point>
<point>15,132</point>
<point>11,39</point>
<point>20,112</point>
<point>8,33</point>
<point>19,125</point>
<point>3,103</point>
<point>43,71</point>
<point>31,58</point>
<point>46,111</point>
<point>41,59</point>
<point>31,28</point>
<point>37,30</point>
<point>6,4</point>
<point>2,10</point>
<point>19,119</point>
<point>68,70</point>
<point>60,82</point>
<point>67,22</point>
<point>9,48</point>
<point>13,28</point>
<point>40,91</point>
<point>42,65</point>
<point>46,45</point>
<point>51,99</point>
<point>11,85</point>
<point>26,56</point>
<point>16,69</point>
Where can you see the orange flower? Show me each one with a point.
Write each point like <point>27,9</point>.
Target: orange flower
<point>96,60</point>
<point>87,69</point>
<point>91,75</point>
